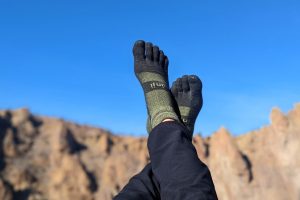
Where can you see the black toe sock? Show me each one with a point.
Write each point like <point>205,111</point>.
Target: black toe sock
<point>188,94</point>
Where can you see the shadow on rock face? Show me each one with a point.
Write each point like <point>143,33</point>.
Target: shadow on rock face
<point>4,124</point>
<point>74,146</point>
<point>21,195</point>
<point>248,165</point>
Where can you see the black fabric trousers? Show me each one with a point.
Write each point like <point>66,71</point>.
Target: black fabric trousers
<point>175,171</point>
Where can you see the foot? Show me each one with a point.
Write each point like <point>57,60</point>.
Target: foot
<point>188,94</point>
<point>151,69</point>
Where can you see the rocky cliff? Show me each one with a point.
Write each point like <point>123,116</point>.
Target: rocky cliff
<point>46,158</point>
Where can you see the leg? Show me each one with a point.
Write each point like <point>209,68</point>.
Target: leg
<point>142,186</point>
<point>176,166</point>
<point>188,96</point>
<point>175,163</point>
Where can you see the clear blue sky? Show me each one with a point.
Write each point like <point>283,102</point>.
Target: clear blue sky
<point>72,59</point>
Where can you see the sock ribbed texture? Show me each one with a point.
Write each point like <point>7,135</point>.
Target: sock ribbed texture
<point>151,66</point>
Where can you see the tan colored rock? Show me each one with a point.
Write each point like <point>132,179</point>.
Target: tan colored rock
<point>201,147</point>
<point>279,120</point>
<point>47,158</point>
<point>69,180</point>
<point>9,146</point>
<point>294,116</point>
<point>20,116</point>
<point>227,163</point>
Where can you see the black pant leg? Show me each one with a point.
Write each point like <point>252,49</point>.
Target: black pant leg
<point>142,186</point>
<point>175,164</point>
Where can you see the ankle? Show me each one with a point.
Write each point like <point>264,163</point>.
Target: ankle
<point>168,120</point>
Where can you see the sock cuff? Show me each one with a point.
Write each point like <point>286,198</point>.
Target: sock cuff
<point>151,76</point>
<point>173,125</point>
<point>162,115</point>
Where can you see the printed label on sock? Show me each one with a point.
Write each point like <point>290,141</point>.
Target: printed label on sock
<point>154,85</point>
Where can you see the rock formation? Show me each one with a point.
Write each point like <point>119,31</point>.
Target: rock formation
<point>46,158</point>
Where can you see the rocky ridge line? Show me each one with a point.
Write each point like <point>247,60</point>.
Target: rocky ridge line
<point>47,158</point>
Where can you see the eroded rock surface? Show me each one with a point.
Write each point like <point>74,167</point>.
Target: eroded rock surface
<point>46,158</point>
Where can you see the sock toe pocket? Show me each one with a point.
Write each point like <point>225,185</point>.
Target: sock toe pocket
<point>174,89</point>
<point>155,53</point>
<point>166,64</point>
<point>193,79</point>
<point>179,85</point>
<point>149,51</point>
<point>195,84</point>
<point>161,58</point>
<point>185,83</point>
<point>139,49</point>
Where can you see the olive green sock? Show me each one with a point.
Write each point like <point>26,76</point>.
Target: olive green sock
<point>150,66</point>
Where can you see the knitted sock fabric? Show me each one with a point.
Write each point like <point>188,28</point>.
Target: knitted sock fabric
<point>151,69</point>
<point>187,92</point>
